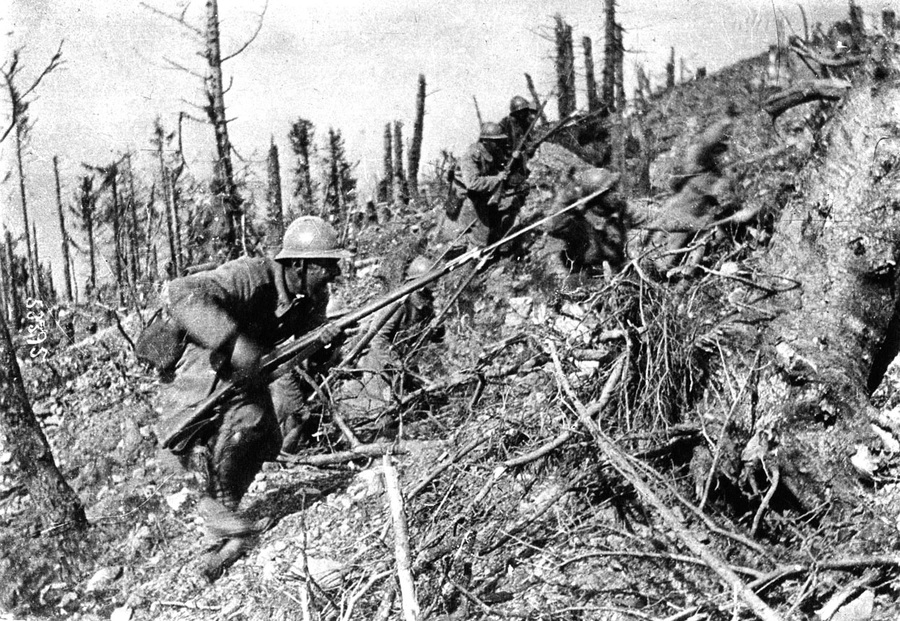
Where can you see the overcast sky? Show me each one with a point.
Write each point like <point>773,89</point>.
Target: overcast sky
<point>348,64</point>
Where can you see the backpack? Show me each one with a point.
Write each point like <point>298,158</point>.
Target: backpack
<point>161,343</point>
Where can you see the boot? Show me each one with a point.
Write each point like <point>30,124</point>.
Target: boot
<point>214,563</point>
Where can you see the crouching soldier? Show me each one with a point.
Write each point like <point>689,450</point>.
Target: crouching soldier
<point>231,317</point>
<point>591,235</point>
<point>378,376</point>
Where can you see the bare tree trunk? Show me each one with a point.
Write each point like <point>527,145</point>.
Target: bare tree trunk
<point>63,233</point>
<point>565,68</point>
<point>388,164</point>
<point>608,93</point>
<point>415,147</point>
<point>273,198</point>
<point>590,79</point>
<point>401,193</point>
<point>117,231</point>
<point>224,187</point>
<point>857,27</point>
<point>37,261</point>
<point>5,284</point>
<point>15,308</point>
<point>134,273</point>
<point>826,309</point>
<point>670,70</point>
<point>56,501</point>
<point>640,184</point>
<point>32,262</point>
<point>168,201</point>
<point>87,216</point>
<point>534,97</point>
<point>619,76</point>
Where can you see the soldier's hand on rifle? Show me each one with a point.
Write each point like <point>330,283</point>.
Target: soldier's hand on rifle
<point>328,333</point>
<point>245,359</point>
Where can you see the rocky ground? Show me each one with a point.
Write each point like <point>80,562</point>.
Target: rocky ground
<point>514,510</point>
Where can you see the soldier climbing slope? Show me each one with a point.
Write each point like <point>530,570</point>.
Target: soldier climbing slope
<point>492,203</point>
<point>520,141</point>
<point>378,377</point>
<point>232,316</point>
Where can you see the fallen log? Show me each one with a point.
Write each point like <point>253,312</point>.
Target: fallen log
<point>805,92</point>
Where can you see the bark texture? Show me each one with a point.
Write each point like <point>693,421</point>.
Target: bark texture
<point>415,147</point>
<point>64,234</point>
<point>589,76</point>
<point>273,198</point>
<point>51,493</point>
<point>565,68</point>
<point>832,260</point>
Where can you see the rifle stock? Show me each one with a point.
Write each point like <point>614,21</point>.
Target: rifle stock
<point>307,345</point>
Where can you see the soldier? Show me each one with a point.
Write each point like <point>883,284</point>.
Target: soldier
<point>702,192</point>
<point>491,203</point>
<point>377,377</point>
<point>591,235</point>
<point>232,316</point>
<point>521,117</point>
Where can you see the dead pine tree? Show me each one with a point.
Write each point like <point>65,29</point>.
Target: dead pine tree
<point>415,147</point>
<point>87,201</point>
<point>670,70</point>
<point>565,67</point>
<point>609,53</point>
<point>160,141</point>
<point>388,172</point>
<point>14,300</point>
<point>57,504</point>
<point>275,229</point>
<point>589,76</point>
<point>64,235</point>
<point>401,187</point>
<point>20,126</point>
<point>133,231</point>
<point>301,138</point>
<point>229,238</point>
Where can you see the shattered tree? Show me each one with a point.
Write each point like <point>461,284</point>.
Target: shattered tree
<point>59,506</point>
<point>824,294</point>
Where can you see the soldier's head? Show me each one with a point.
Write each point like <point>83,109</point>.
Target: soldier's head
<point>493,137</point>
<point>522,110</point>
<point>311,254</point>
<point>421,300</point>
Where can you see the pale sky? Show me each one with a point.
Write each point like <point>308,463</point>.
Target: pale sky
<point>349,64</point>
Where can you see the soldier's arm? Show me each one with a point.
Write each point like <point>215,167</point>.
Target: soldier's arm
<point>472,177</point>
<point>200,306</point>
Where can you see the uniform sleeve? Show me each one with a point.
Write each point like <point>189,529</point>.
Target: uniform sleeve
<point>471,174</point>
<point>200,305</point>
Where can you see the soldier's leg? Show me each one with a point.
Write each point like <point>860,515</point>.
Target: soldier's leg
<point>248,436</point>
<point>289,397</point>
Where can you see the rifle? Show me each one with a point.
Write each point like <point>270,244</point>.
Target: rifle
<point>180,439</point>
<point>498,193</point>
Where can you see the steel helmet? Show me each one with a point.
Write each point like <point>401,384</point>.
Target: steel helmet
<point>492,131</point>
<point>418,267</point>
<point>520,103</point>
<point>310,237</point>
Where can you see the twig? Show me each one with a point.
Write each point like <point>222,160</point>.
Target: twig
<point>627,471</point>
<point>188,605</point>
<point>657,555</point>
<point>723,433</point>
<point>470,596</point>
<point>437,471</point>
<point>363,450</point>
<point>355,597</point>
<point>409,602</point>
<point>837,600</point>
<point>773,486</point>
<point>848,564</point>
